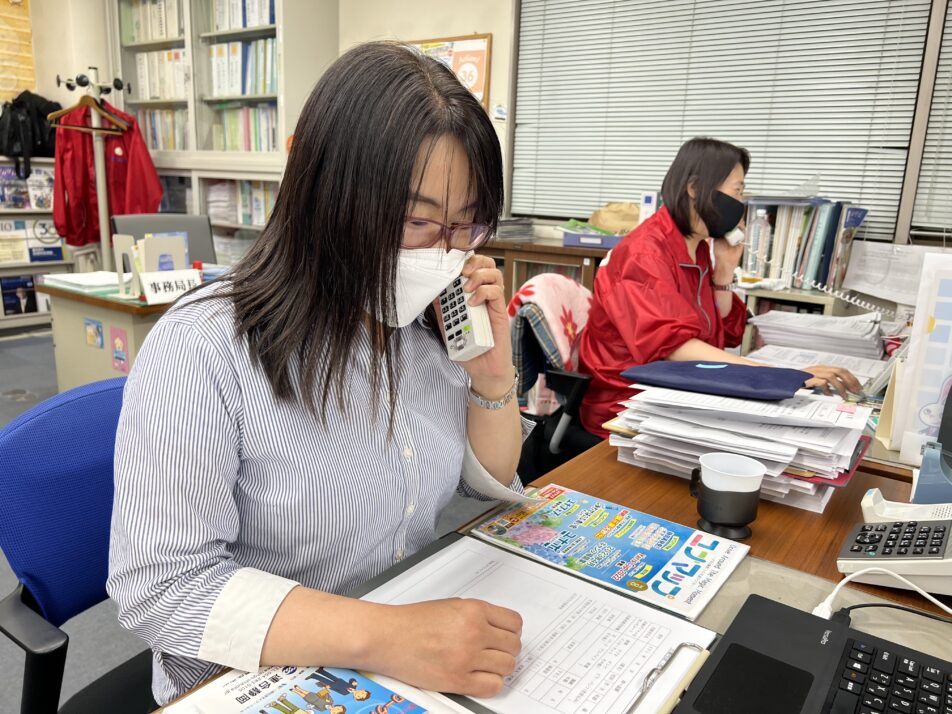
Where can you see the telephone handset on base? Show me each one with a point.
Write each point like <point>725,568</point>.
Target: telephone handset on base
<point>877,509</point>
<point>912,540</point>
<point>466,327</point>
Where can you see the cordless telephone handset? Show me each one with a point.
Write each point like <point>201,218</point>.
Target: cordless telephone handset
<point>466,327</point>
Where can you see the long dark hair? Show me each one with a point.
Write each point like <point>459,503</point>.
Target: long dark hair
<point>328,255</point>
<point>705,163</point>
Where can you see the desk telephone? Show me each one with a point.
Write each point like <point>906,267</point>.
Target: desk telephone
<point>466,327</point>
<point>909,539</point>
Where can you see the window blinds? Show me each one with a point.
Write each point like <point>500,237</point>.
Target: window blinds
<point>932,213</point>
<point>607,92</point>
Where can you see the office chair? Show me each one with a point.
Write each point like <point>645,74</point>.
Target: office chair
<point>558,437</point>
<point>56,488</point>
<point>198,227</point>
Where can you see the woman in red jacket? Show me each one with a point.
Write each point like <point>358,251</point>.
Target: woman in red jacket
<point>666,291</point>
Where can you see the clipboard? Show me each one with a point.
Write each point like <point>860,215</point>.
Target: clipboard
<point>664,701</point>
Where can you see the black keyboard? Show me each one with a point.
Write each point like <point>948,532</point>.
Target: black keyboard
<point>889,680</point>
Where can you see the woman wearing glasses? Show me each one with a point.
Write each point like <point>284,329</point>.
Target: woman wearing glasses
<point>295,429</point>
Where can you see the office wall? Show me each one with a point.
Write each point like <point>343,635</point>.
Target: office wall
<point>68,37</point>
<point>363,20</point>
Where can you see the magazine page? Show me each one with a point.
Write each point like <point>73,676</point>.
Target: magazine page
<point>665,564</point>
<point>289,690</point>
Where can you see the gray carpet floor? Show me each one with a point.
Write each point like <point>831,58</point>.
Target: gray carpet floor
<point>97,643</point>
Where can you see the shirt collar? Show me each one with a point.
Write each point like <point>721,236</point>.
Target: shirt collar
<point>677,244</point>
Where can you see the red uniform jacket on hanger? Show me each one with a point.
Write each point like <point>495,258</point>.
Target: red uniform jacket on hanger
<point>649,300</point>
<point>132,182</point>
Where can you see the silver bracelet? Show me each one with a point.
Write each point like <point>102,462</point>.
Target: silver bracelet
<point>493,405</point>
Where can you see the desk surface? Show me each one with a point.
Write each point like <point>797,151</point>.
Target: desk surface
<point>798,539</point>
<point>107,301</point>
<point>543,245</point>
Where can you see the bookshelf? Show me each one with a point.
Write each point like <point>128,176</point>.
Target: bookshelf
<point>206,70</point>
<point>202,128</point>
<point>29,246</point>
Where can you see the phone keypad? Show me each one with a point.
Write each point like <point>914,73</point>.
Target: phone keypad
<point>899,539</point>
<point>455,314</point>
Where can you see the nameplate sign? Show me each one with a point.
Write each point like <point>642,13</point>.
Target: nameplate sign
<point>165,286</point>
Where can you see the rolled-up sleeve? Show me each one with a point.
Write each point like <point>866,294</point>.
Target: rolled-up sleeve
<point>174,512</point>
<point>473,471</point>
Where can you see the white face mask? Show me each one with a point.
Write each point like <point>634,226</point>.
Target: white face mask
<point>422,274</point>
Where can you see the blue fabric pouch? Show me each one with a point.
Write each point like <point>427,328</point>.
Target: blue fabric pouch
<point>720,378</point>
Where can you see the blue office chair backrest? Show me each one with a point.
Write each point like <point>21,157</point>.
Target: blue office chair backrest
<point>56,497</point>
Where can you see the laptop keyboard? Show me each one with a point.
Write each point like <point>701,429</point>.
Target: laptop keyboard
<point>880,680</point>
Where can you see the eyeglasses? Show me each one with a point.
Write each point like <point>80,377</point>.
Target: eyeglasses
<point>424,233</point>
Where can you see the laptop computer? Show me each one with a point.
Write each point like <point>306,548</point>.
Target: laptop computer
<point>775,659</point>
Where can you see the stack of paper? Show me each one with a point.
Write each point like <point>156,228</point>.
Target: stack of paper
<point>856,335</point>
<point>99,282</point>
<point>864,369</point>
<point>809,435</point>
<point>222,201</point>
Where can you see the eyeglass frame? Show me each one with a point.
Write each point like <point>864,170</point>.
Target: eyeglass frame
<point>446,231</point>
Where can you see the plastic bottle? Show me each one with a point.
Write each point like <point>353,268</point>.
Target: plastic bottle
<point>758,243</point>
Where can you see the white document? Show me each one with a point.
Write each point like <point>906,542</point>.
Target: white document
<point>821,439</point>
<point>798,358</point>
<point>887,270</point>
<point>718,439</point>
<point>811,411</point>
<point>584,649</point>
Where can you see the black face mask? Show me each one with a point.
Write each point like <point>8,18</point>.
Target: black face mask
<point>729,212</point>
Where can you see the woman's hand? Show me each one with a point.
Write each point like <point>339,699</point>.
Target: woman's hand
<point>826,378</point>
<point>491,373</point>
<point>726,259</point>
<point>461,646</point>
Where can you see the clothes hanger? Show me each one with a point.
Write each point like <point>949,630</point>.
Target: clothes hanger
<point>119,125</point>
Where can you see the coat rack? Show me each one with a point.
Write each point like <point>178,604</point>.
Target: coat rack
<point>94,93</point>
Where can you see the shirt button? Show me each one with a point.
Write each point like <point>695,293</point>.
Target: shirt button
<point>410,509</point>
<point>398,555</point>
<point>407,453</point>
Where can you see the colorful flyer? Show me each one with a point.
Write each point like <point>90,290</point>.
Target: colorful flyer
<point>119,344</point>
<point>290,690</point>
<point>674,567</point>
<point>94,334</point>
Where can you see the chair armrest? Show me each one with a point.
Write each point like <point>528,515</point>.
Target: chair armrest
<point>571,385</point>
<point>27,628</point>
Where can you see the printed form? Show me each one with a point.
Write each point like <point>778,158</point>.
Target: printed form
<point>585,650</point>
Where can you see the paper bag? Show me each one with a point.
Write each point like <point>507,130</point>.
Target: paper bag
<point>619,218</point>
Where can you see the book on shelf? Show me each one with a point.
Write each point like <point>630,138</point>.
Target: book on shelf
<point>246,128</point>
<point>665,564</point>
<point>29,241</point>
<point>238,14</point>
<point>243,68</point>
<point>851,219</point>
<point>241,202</point>
<point>808,238</point>
<point>164,129</point>
<point>149,20</point>
<point>19,297</point>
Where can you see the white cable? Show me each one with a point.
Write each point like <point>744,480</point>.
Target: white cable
<point>825,608</point>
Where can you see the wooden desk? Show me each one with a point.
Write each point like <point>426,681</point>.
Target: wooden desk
<point>798,539</point>
<point>77,361</point>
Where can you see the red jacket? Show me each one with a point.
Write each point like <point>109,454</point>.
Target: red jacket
<point>649,300</point>
<point>132,182</point>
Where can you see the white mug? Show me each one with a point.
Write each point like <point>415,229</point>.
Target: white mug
<point>721,471</point>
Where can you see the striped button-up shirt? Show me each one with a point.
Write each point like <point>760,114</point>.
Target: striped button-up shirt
<point>227,498</point>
